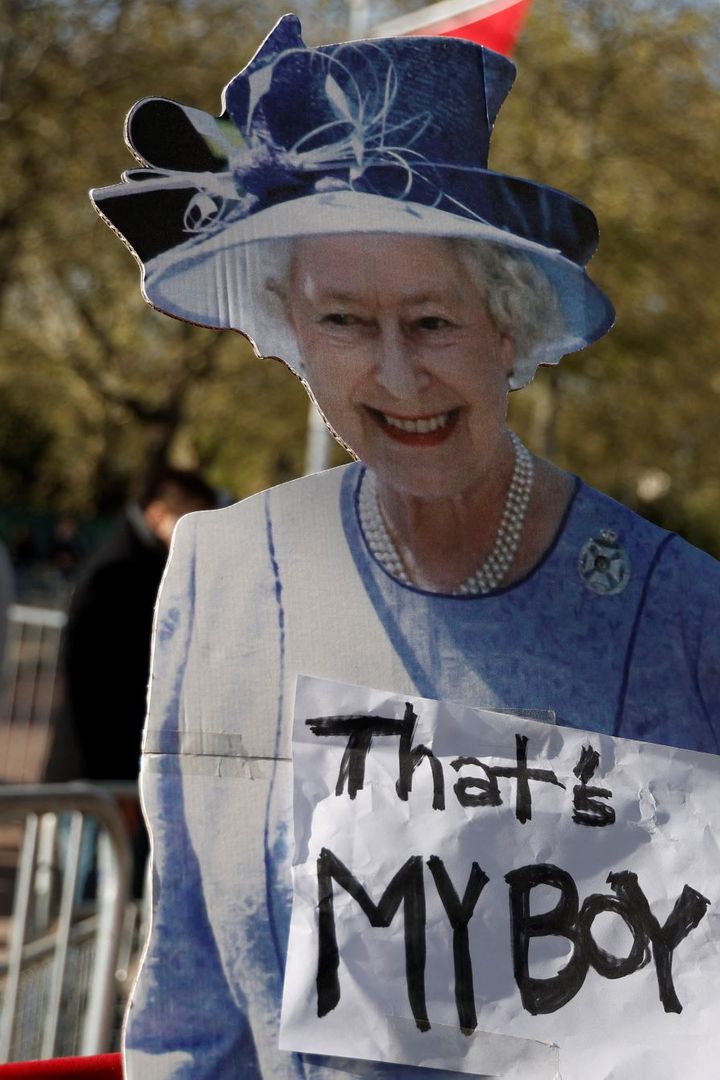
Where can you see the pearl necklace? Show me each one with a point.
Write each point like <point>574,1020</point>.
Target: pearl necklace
<point>494,569</point>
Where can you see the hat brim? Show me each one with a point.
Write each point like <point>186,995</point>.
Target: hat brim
<point>218,278</point>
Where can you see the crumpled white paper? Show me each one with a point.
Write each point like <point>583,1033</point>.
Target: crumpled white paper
<point>613,1023</point>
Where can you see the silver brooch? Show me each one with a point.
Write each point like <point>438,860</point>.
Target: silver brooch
<point>603,565</point>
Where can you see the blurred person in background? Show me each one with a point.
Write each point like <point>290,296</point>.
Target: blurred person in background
<point>107,639</point>
<point>107,650</point>
<point>66,549</point>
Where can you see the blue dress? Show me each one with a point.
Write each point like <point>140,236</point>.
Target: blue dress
<point>284,583</point>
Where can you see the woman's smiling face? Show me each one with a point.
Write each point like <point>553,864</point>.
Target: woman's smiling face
<point>402,356</point>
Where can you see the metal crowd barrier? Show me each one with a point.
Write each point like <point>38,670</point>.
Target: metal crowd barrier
<point>59,976</point>
<point>29,690</point>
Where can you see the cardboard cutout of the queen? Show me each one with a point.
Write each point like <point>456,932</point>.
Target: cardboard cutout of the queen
<point>341,214</point>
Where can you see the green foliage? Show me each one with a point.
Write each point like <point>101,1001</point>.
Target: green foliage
<point>95,387</point>
<point>618,103</point>
<point>615,102</point>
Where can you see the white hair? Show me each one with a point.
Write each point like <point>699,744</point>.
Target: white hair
<point>520,300</point>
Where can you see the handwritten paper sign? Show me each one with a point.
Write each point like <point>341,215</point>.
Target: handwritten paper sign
<point>484,893</point>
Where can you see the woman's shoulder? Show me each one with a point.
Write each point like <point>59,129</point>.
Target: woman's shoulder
<point>303,500</point>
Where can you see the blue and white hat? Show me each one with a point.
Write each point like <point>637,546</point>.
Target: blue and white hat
<point>385,136</point>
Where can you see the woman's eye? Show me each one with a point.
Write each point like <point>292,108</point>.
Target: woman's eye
<point>432,322</point>
<point>338,318</point>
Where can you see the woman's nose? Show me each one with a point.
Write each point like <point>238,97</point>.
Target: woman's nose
<point>398,368</point>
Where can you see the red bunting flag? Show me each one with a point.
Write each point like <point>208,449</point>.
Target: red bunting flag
<point>495,23</point>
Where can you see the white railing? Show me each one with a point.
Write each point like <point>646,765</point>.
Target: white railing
<point>29,691</point>
<point>60,976</point>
